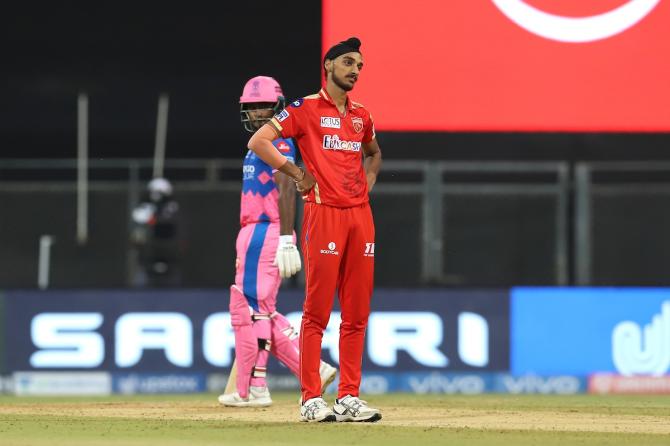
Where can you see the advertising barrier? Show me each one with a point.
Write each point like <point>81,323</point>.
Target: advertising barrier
<point>527,340</point>
<point>179,331</point>
<point>581,331</point>
<point>62,383</point>
<point>133,383</point>
<point>635,385</point>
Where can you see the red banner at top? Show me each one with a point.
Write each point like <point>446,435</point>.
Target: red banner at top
<point>510,65</point>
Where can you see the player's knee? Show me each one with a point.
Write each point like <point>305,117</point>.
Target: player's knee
<point>359,324</point>
<point>262,329</point>
<point>262,325</point>
<point>316,319</point>
<point>282,328</point>
<point>264,344</point>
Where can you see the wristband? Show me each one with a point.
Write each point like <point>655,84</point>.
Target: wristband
<point>285,239</point>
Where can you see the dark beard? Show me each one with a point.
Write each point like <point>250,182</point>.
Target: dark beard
<point>341,84</point>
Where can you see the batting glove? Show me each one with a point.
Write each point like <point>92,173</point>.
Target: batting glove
<point>287,258</point>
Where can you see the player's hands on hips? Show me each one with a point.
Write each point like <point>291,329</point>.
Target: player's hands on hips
<point>306,183</point>
<point>287,258</point>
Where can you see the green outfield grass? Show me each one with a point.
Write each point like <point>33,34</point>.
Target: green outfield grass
<point>408,420</point>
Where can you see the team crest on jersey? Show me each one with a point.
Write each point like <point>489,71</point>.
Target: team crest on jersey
<point>283,147</point>
<point>297,102</point>
<point>358,124</point>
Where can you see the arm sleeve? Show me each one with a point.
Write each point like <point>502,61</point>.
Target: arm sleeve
<point>369,130</point>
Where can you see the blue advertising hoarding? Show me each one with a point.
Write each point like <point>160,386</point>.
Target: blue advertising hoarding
<point>580,331</point>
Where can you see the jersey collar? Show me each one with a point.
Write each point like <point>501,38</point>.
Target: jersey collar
<point>325,96</point>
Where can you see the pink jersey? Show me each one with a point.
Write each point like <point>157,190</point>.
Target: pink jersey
<point>260,195</point>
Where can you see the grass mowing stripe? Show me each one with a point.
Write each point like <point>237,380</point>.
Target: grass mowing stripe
<point>408,420</point>
<point>55,430</point>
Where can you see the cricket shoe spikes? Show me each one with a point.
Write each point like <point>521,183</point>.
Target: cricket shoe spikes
<point>352,408</point>
<point>316,409</point>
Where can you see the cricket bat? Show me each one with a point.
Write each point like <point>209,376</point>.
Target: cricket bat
<point>232,377</point>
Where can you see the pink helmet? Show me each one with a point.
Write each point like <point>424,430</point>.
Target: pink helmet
<point>261,89</point>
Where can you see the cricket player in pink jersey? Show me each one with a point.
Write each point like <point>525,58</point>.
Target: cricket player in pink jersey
<point>266,253</point>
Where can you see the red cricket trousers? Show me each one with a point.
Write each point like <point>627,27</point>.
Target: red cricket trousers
<point>338,248</point>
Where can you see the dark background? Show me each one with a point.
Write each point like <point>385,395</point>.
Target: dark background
<point>124,57</point>
<point>202,53</point>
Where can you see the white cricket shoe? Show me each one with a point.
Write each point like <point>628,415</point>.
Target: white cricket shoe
<point>258,397</point>
<point>328,374</point>
<point>233,400</point>
<point>316,409</point>
<point>352,408</point>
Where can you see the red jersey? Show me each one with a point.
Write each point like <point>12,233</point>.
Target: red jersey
<point>330,145</point>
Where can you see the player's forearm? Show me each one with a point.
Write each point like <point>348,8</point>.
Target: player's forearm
<point>372,163</point>
<point>261,144</point>
<point>292,171</point>
<point>286,204</point>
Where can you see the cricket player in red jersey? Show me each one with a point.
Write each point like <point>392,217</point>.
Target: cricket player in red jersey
<point>338,238</point>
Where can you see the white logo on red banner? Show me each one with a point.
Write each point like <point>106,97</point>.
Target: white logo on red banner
<point>575,29</point>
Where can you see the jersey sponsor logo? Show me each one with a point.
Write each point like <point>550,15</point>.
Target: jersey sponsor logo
<point>369,250</point>
<point>331,249</point>
<point>248,172</point>
<point>330,122</point>
<point>358,124</point>
<point>283,147</point>
<point>333,142</point>
<point>297,102</point>
<point>282,115</point>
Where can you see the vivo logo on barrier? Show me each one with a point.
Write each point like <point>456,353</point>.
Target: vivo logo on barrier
<point>71,340</point>
<point>439,383</point>
<point>648,353</point>
<point>560,385</point>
